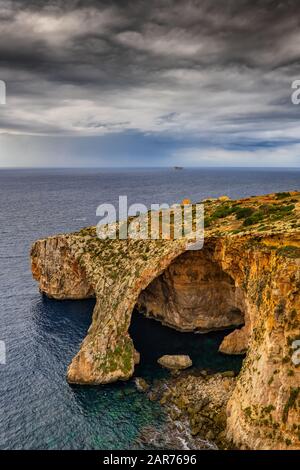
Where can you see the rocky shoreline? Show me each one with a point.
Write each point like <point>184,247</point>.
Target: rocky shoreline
<point>196,400</point>
<point>247,274</point>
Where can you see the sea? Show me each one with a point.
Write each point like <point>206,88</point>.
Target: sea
<point>38,408</point>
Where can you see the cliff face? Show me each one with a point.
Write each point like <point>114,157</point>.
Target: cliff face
<point>263,412</point>
<point>194,294</point>
<point>56,269</point>
<point>250,277</point>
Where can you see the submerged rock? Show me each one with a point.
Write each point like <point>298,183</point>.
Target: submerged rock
<point>141,384</point>
<point>173,435</point>
<point>175,362</point>
<point>200,402</point>
<point>228,373</point>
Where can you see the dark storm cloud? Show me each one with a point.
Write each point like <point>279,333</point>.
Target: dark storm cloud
<point>204,70</point>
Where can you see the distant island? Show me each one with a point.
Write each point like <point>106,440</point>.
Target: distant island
<point>246,277</point>
<point>178,167</point>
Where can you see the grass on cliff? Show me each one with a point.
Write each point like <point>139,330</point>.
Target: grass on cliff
<point>235,216</point>
<point>264,211</point>
<point>289,251</point>
<point>282,195</point>
<point>270,212</point>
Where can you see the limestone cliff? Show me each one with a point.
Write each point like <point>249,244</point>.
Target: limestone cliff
<point>194,294</point>
<point>59,274</point>
<point>248,272</point>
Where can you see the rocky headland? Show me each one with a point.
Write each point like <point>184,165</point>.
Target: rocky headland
<point>246,276</point>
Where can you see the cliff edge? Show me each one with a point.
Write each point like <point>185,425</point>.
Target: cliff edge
<point>247,276</point>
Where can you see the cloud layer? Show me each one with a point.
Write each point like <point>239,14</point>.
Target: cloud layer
<point>212,76</point>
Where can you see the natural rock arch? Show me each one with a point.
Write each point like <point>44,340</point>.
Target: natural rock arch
<point>263,409</point>
<point>194,294</point>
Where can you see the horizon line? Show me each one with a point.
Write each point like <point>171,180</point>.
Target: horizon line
<point>181,167</point>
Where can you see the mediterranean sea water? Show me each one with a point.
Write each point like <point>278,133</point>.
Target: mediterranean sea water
<point>38,409</point>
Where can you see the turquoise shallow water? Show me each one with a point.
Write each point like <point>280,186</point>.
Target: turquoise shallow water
<point>38,409</point>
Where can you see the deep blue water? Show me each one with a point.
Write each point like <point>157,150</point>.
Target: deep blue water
<point>38,408</point>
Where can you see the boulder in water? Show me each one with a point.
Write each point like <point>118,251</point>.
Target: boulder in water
<point>141,384</point>
<point>177,362</point>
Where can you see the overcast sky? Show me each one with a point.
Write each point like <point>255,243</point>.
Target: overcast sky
<point>155,83</point>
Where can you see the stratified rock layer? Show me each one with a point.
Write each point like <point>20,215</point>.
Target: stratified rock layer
<point>242,274</point>
<point>59,274</point>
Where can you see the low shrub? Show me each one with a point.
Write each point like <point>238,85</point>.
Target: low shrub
<point>254,218</point>
<point>282,195</point>
<point>244,212</point>
<point>222,212</point>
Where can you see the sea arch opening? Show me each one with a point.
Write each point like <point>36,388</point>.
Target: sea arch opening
<point>192,295</point>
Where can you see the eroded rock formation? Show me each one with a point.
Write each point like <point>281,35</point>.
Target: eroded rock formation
<point>201,400</point>
<point>59,274</point>
<point>194,294</point>
<point>249,275</point>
